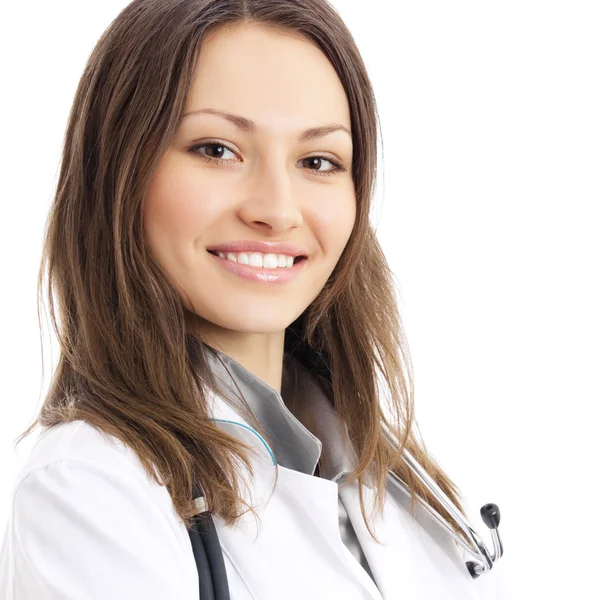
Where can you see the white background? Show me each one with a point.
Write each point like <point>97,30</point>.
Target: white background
<point>487,209</point>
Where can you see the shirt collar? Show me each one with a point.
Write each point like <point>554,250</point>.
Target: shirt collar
<point>300,422</point>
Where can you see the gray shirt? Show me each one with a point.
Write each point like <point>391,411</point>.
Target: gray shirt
<point>298,426</point>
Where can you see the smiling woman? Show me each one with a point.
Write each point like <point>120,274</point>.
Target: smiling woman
<point>227,320</point>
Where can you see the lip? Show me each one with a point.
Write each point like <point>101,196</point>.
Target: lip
<point>260,274</point>
<point>262,247</point>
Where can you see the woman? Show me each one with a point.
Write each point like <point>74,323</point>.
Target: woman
<point>225,309</point>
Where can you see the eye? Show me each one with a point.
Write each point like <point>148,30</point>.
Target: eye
<point>216,149</point>
<point>337,167</point>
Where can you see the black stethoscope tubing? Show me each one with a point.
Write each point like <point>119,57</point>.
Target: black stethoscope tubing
<point>212,576</point>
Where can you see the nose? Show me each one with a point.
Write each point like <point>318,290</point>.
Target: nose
<point>271,202</point>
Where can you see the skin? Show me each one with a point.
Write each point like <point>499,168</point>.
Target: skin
<point>265,189</point>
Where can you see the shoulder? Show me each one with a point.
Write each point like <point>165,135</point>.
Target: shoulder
<point>80,448</point>
<point>76,441</point>
<point>82,498</point>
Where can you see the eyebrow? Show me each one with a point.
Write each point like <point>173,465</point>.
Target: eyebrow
<point>248,126</point>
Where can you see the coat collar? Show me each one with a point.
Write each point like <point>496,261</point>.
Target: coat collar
<point>302,426</point>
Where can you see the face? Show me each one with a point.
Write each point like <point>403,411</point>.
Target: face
<point>221,181</point>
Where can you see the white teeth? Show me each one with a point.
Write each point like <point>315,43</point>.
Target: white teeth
<point>256,259</point>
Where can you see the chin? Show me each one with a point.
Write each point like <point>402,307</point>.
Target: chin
<point>264,325</point>
<point>259,321</point>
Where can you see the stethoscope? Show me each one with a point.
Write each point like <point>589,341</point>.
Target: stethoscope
<point>212,576</point>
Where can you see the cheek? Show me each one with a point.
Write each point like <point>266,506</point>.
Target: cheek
<point>333,220</point>
<point>178,207</point>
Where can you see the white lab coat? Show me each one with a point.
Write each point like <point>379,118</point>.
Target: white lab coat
<point>86,523</point>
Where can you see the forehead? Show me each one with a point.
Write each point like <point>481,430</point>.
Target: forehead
<point>272,76</point>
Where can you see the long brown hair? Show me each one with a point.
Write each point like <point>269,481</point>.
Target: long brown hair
<point>129,365</point>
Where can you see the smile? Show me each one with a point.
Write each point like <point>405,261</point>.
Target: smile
<point>259,273</point>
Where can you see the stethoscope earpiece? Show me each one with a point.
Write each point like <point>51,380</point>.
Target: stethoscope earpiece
<point>490,513</point>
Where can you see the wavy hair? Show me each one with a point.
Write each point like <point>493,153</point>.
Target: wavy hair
<point>129,364</point>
